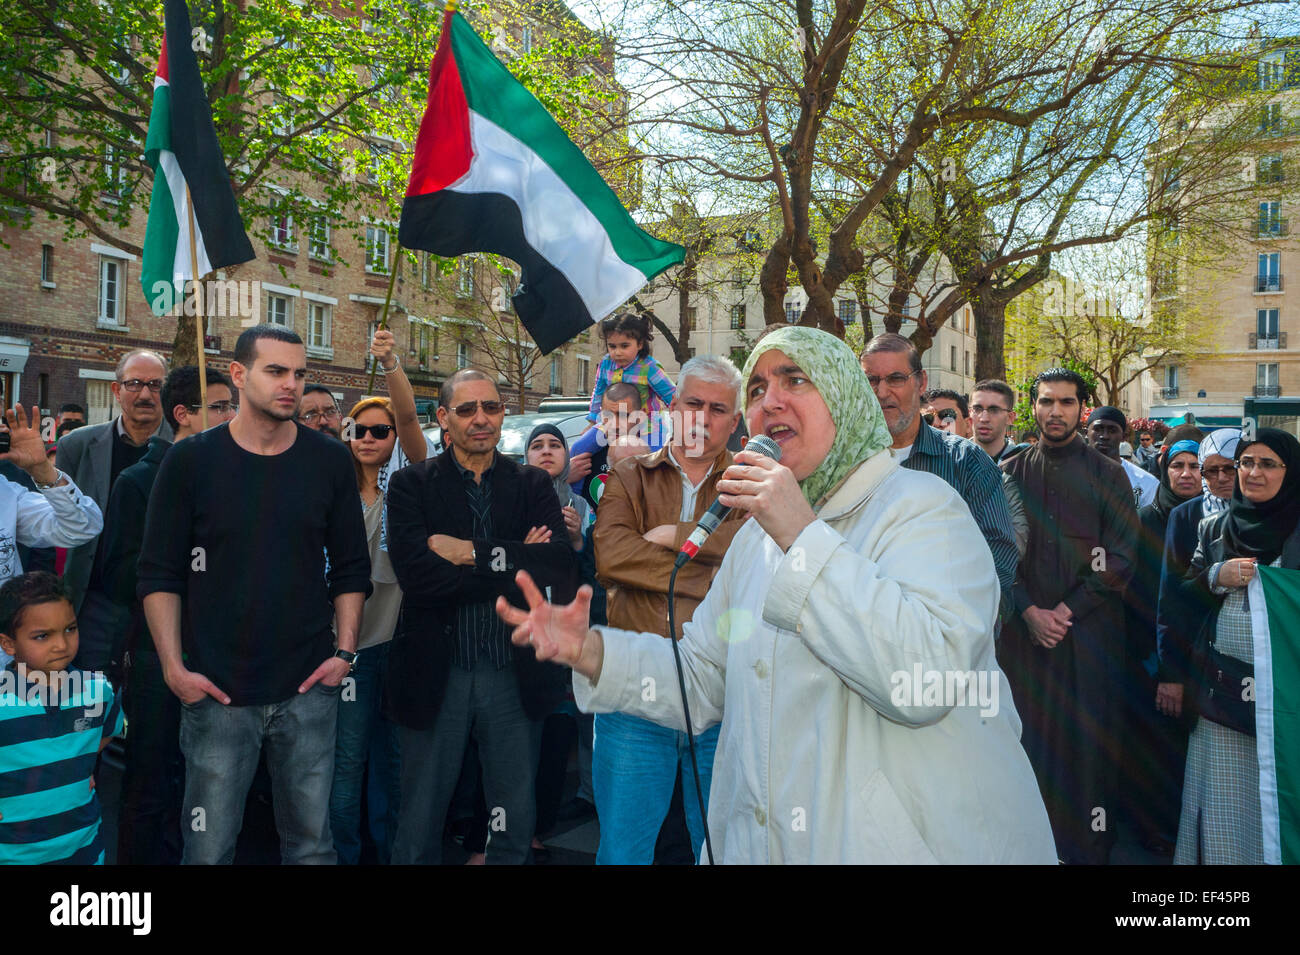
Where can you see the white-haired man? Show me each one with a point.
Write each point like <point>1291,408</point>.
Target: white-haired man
<point>650,506</point>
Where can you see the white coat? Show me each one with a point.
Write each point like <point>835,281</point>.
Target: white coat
<point>808,659</point>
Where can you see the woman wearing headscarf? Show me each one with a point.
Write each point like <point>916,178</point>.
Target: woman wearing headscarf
<point>547,449</point>
<point>842,608</point>
<point>1176,620</point>
<point>1155,743</point>
<point>1220,821</point>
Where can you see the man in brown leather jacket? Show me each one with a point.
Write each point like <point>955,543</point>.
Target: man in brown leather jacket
<point>650,506</point>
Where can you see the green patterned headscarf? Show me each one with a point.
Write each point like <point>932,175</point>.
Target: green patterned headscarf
<point>860,429</point>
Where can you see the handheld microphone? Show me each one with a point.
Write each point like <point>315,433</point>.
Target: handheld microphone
<point>760,444</point>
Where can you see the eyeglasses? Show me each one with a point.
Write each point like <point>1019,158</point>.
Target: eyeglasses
<point>1267,465</point>
<point>947,414</point>
<point>380,431</point>
<point>978,411</point>
<point>311,416</point>
<point>219,407</point>
<point>136,385</point>
<point>896,380</point>
<point>1222,471</point>
<point>466,409</point>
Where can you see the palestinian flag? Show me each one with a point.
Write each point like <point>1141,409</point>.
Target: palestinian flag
<point>182,148</point>
<point>1274,596</point>
<point>493,172</point>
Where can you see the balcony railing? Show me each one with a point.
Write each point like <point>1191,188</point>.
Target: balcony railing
<point>1169,392</point>
<point>1267,342</point>
<point>1267,391</point>
<point>1268,283</point>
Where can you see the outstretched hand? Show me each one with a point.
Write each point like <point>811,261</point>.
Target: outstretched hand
<point>558,633</point>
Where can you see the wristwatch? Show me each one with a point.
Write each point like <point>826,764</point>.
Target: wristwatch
<point>348,657</point>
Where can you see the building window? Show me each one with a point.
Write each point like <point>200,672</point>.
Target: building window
<point>557,382</point>
<point>47,266</point>
<point>1269,278</point>
<point>526,39</point>
<point>320,238</point>
<point>1270,169</point>
<point>465,278</point>
<point>1266,323</point>
<point>112,284</point>
<point>691,312</point>
<point>279,310</point>
<point>282,231</point>
<point>319,321</point>
<point>1266,381</point>
<point>1171,380</point>
<point>376,250</point>
<point>966,365</point>
<point>1270,119</point>
<point>426,269</point>
<point>1270,218</point>
<point>952,357</point>
<point>738,279</point>
<point>114,173</point>
<point>848,311</point>
<point>737,316</point>
<point>584,375</point>
<point>791,312</point>
<point>462,355</point>
<point>1270,70</point>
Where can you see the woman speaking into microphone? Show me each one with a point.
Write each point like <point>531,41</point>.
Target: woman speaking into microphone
<point>847,638</point>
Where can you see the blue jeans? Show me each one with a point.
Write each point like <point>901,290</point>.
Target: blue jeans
<point>363,732</point>
<point>633,771</point>
<point>221,746</point>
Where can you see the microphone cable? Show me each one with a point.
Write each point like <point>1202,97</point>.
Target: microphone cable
<point>686,707</point>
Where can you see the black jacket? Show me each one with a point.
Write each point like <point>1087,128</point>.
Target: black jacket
<point>124,534</point>
<point>1198,603</point>
<point>429,498</point>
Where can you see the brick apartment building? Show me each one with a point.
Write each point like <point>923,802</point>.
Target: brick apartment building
<point>70,308</point>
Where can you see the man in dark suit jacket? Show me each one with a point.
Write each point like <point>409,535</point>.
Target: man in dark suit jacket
<point>460,525</point>
<point>93,457</point>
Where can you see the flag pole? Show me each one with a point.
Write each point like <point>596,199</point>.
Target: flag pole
<point>199,323</point>
<point>383,316</point>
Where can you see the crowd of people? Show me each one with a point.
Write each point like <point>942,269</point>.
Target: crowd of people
<point>414,637</point>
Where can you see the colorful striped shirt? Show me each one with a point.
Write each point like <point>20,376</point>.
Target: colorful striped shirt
<point>49,741</point>
<point>647,374</point>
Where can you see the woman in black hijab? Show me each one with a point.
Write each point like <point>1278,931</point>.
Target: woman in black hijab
<point>1220,820</point>
<point>1155,745</point>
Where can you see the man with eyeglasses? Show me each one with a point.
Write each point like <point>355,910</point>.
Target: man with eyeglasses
<point>893,368</point>
<point>993,412</point>
<point>452,670</point>
<point>93,457</point>
<point>318,410</point>
<point>148,829</point>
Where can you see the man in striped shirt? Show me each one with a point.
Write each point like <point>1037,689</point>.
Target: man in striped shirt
<point>53,723</point>
<point>893,368</point>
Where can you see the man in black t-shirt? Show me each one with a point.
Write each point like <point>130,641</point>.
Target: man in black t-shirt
<point>234,530</point>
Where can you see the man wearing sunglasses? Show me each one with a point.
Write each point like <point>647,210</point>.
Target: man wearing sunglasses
<point>93,457</point>
<point>460,525</point>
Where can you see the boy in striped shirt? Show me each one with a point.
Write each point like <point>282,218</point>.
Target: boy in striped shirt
<point>53,723</point>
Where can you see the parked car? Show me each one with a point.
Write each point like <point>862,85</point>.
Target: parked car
<point>559,403</point>
<point>515,429</point>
